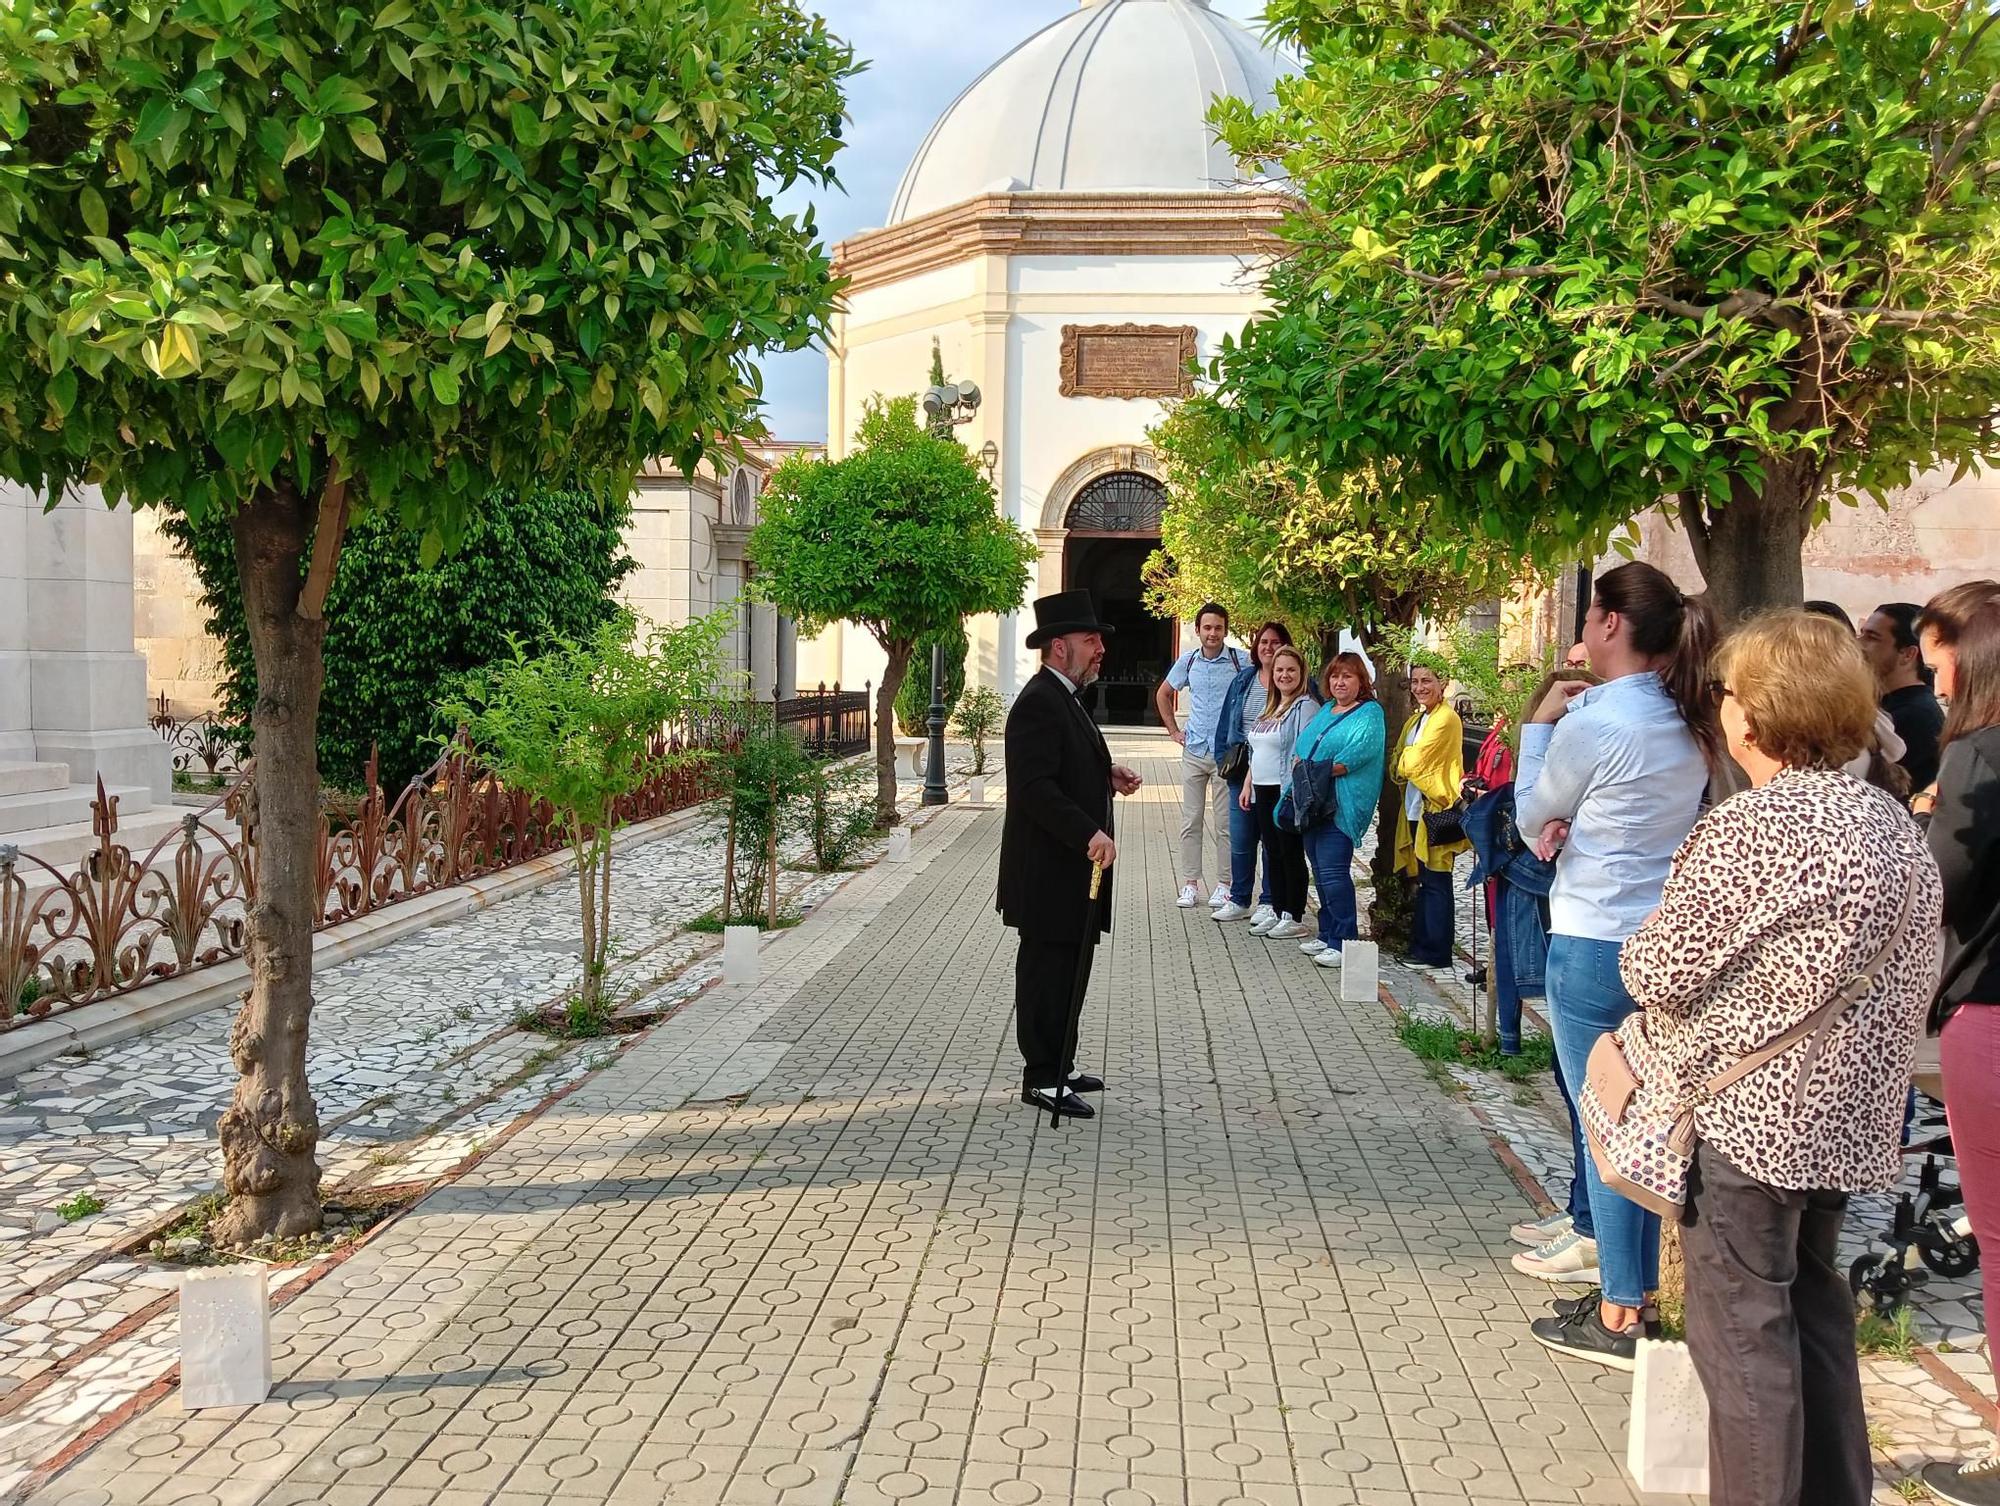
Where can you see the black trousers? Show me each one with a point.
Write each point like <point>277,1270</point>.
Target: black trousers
<point>1770,1324</point>
<point>1046,1005</point>
<point>1284,853</point>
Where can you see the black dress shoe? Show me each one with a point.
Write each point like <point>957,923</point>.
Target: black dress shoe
<point>1065,1102</point>
<point>1083,1082</point>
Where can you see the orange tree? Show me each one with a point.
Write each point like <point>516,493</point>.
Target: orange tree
<point>293,262</point>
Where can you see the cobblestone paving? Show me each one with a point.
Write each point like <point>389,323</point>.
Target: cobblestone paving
<point>802,1244</point>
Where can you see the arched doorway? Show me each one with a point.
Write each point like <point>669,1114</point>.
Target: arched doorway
<point>1111,527</point>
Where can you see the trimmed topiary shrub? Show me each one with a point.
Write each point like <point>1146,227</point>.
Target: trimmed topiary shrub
<point>913,701</point>
<point>400,637</point>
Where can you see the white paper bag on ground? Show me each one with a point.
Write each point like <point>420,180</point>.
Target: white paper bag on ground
<point>225,1337</point>
<point>1667,1451</point>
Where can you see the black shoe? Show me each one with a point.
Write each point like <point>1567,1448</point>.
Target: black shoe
<point>1649,1315</point>
<point>1966,1482</point>
<point>1083,1082</point>
<point>1583,1335</point>
<point>1065,1103</point>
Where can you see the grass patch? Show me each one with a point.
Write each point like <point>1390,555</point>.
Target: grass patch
<point>710,923</point>
<point>1875,1334</point>
<point>1443,1043</point>
<point>1910,1488</point>
<point>31,990</point>
<point>82,1206</point>
<point>199,784</point>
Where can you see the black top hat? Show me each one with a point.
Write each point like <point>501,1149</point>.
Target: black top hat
<point>1066,612</point>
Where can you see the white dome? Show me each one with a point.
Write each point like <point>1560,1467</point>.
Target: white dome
<point>1113,98</point>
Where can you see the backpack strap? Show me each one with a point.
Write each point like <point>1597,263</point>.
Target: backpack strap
<point>1842,998</point>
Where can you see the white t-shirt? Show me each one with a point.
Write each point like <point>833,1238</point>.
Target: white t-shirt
<point>1271,740</point>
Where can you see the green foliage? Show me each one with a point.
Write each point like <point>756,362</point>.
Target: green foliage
<point>531,570</point>
<point>980,714</point>
<point>1559,260</point>
<point>1441,1041</point>
<point>574,725</point>
<point>82,1206</point>
<point>902,536</point>
<point>439,247</point>
<point>837,816</point>
<point>913,701</point>
<point>768,772</point>
<point>1468,660</point>
<point>1267,539</point>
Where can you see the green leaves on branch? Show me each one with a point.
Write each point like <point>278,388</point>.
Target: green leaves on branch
<point>444,247</point>
<point>1557,261</point>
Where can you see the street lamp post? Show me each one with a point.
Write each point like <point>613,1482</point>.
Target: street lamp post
<point>945,407</point>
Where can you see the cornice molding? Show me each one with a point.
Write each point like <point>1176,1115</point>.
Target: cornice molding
<point>1242,225</point>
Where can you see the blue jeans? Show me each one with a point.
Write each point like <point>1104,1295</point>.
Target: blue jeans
<point>1579,1191</point>
<point>1243,853</point>
<point>1506,993</point>
<point>1332,854</point>
<point>1587,998</point>
<point>1430,923</point>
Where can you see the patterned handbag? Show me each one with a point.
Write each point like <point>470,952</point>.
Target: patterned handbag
<point>1643,1140</point>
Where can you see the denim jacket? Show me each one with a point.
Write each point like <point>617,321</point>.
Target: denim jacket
<point>1229,727</point>
<point>1521,898</point>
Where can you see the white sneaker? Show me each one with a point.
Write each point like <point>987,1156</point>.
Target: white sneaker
<point>1569,1260</point>
<point>1219,898</point>
<point>1286,929</point>
<point>1312,948</point>
<point>1328,958</point>
<point>1262,914</point>
<point>1265,926</point>
<point>1190,896</point>
<point>1231,911</point>
<point>1539,1231</point>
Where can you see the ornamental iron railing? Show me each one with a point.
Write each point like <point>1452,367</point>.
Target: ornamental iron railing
<point>206,743</point>
<point>118,921</point>
<point>835,723</point>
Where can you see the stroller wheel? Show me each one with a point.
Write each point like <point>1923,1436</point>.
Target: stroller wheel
<point>1951,1258</point>
<point>1877,1285</point>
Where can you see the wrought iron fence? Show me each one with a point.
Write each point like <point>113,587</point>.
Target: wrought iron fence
<point>835,723</point>
<point>215,744</point>
<point>119,921</point>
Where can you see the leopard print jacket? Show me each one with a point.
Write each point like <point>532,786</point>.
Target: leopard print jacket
<point>1778,897</point>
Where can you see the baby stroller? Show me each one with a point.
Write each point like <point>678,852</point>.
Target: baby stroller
<point>1931,1220</point>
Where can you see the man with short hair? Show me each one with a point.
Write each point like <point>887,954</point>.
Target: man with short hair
<point>1060,780</point>
<point>1888,642</point>
<point>1205,672</point>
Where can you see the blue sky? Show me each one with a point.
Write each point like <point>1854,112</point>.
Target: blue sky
<point>921,53</point>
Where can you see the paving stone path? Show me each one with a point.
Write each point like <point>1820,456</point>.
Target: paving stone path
<point>803,1244</point>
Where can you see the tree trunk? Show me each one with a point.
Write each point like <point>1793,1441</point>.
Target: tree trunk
<point>1389,914</point>
<point>885,733</point>
<point>1751,555</point>
<point>270,1129</point>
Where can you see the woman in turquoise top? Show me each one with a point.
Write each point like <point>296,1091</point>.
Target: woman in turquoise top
<point>1350,736</point>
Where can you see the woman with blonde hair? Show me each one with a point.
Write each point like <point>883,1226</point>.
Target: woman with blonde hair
<point>1430,766</point>
<point>1273,737</point>
<point>1795,938</point>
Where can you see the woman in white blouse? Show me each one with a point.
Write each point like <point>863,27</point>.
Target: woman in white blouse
<point>1781,897</point>
<point>1272,731</point>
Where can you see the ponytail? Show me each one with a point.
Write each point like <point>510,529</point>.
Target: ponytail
<point>1681,630</point>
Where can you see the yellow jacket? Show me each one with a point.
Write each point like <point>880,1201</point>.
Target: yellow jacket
<point>1435,764</point>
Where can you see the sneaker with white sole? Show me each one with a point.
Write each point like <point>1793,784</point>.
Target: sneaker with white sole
<point>1569,1259</point>
<point>1265,926</point>
<point>1328,958</point>
<point>1231,911</point>
<point>1969,1482</point>
<point>1190,896</point>
<point>1286,929</point>
<point>1263,913</point>
<point>1219,898</point>
<point>1537,1232</point>
<point>1312,948</point>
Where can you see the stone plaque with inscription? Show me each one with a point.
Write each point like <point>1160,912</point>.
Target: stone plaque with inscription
<point>1127,360</point>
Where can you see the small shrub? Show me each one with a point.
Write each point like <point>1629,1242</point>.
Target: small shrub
<point>980,714</point>
<point>839,813</point>
<point>32,989</point>
<point>913,701</point>
<point>710,923</point>
<point>83,1205</point>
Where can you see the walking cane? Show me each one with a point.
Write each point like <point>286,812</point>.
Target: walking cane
<point>1078,984</point>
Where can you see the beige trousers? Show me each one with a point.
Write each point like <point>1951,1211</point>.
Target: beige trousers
<point>1203,788</point>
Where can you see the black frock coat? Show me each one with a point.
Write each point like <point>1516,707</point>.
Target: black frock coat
<point>1058,798</point>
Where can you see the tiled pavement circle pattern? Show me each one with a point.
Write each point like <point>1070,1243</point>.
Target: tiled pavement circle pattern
<point>803,1244</point>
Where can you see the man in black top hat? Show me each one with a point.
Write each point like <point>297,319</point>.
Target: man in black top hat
<point>1060,781</point>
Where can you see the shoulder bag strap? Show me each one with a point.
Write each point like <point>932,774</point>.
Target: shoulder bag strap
<point>1842,998</point>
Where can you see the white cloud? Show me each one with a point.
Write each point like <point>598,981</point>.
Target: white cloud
<point>920,54</point>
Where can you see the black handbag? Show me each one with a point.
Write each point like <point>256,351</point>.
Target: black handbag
<point>1234,765</point>
<point>1446,826</point>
